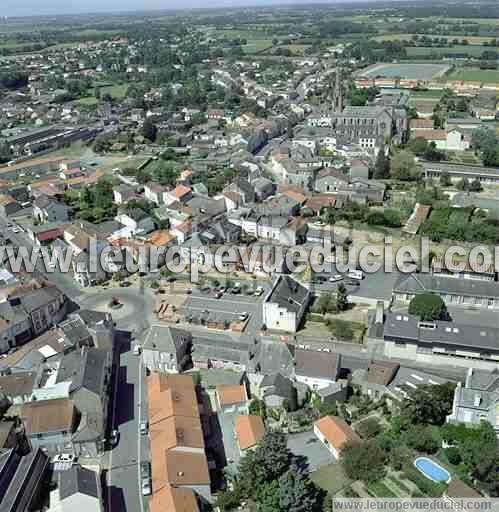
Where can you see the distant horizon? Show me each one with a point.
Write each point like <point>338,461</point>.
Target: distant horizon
<point>93,7</point>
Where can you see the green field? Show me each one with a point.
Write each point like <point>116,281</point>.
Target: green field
<point>475,75</point>
<point>423,51</point>
<point>256,45</point>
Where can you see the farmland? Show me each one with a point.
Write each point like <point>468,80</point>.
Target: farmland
<point>476,75</point>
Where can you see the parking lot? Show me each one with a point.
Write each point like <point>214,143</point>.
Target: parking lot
<point>217,306</point>
<point>376,286</point>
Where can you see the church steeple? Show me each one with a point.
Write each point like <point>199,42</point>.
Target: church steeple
<point>338,92</point>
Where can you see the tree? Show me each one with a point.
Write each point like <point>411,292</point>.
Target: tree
<point>428,307</point>
<point>463,184</point>
<point>382,167</point>
<point>297,493</point>
<point>268,497</point>
<point>369,428</point>
<point>421,439</point>
<point>149,130</point>
<point>427,404</point>
<point>342,297</point>
<point>445,180</point>
<point>418,146</point>
<point>476,186</point>
<point>364,461</point>
<point>453,455</point>
<point>403,166</point>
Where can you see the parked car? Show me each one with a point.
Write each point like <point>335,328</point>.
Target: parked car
<point>64,457</point>
<point>243,316</point>
<point>145,470</point>
<point>144,427</point>
<point>146,487</point>
<point>137,350</point>
<point>115,436</point>
<point>335,278</point>
<point>258,291</point>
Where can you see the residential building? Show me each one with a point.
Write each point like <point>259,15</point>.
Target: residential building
<point>249,430</point>
<point>49,424</point>
<point>166,349</point>
<point>21,479</point>
<point>154,192</point>
<point>88,373</point>
<point>136,220</point>
<point>335,433</point>
<point>78,489</point>
<point>454,292</point>
<point>232,398</point>
<point>276,391</point>
<point>220,354</point>
<point>285,305</point>
<point>47,209</point>
<point>178,459</point>
<point>316,369</point>
<point>440,342</point>
<point>477,400</point>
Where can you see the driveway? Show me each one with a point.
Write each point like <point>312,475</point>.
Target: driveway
<point>306,445</point>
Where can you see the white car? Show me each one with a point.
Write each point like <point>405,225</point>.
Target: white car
<point>143,428</point>
<point>243,316</point>
<point>335,278</point>
<point>64,457</point>
<point>146,487</point>
<point>258,291</point>
<point>137,350</point>
<point>15,229</point>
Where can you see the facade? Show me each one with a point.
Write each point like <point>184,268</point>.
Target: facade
<point>285,305</point>
<point>166,349</point>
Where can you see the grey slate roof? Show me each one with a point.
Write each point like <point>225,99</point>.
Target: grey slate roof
<point>278,385</point>
<point>288,294</point>
<point>84,369</point>
<point>272,358</point>
<point>75,332</point>
<point>470,337</point>
<point>206,348</point>
<point>419,283</point>
<point>312,363</point>
<point>166,339</point>
<point>78,480</point>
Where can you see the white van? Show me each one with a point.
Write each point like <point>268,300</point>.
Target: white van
<point>356,274</point>
<point>136,350</point>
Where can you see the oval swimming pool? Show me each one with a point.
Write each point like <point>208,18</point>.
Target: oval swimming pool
<point>432,470</point>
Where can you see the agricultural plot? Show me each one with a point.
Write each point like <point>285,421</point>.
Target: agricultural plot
<point>474,40</point>
<point>476,75</point>
<point>442,51</point>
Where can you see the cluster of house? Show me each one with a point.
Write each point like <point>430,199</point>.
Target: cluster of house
<point>54,388</point>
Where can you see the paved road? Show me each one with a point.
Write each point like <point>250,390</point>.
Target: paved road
<point>123,478</point>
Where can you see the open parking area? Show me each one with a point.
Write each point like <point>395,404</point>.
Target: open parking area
<point>306,445</point>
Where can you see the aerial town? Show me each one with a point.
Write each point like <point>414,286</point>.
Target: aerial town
<point>140,369</point>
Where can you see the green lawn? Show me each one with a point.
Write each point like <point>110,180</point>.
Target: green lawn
<point>331,478</point>
<point>418,95</point>
<point>476,75</point>
<point>88,101</point>
<point>380,490</point>
<point>117,91</point>
<point>472,51</point>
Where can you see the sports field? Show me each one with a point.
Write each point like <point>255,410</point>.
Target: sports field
<point>409,71</point>
<point>476,75</point>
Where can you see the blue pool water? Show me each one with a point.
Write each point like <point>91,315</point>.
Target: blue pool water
<point>432,470</point>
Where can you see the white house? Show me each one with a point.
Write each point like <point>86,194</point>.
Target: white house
<point>335,433</point>
<point>316,369</point>
<point>285,305</point>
